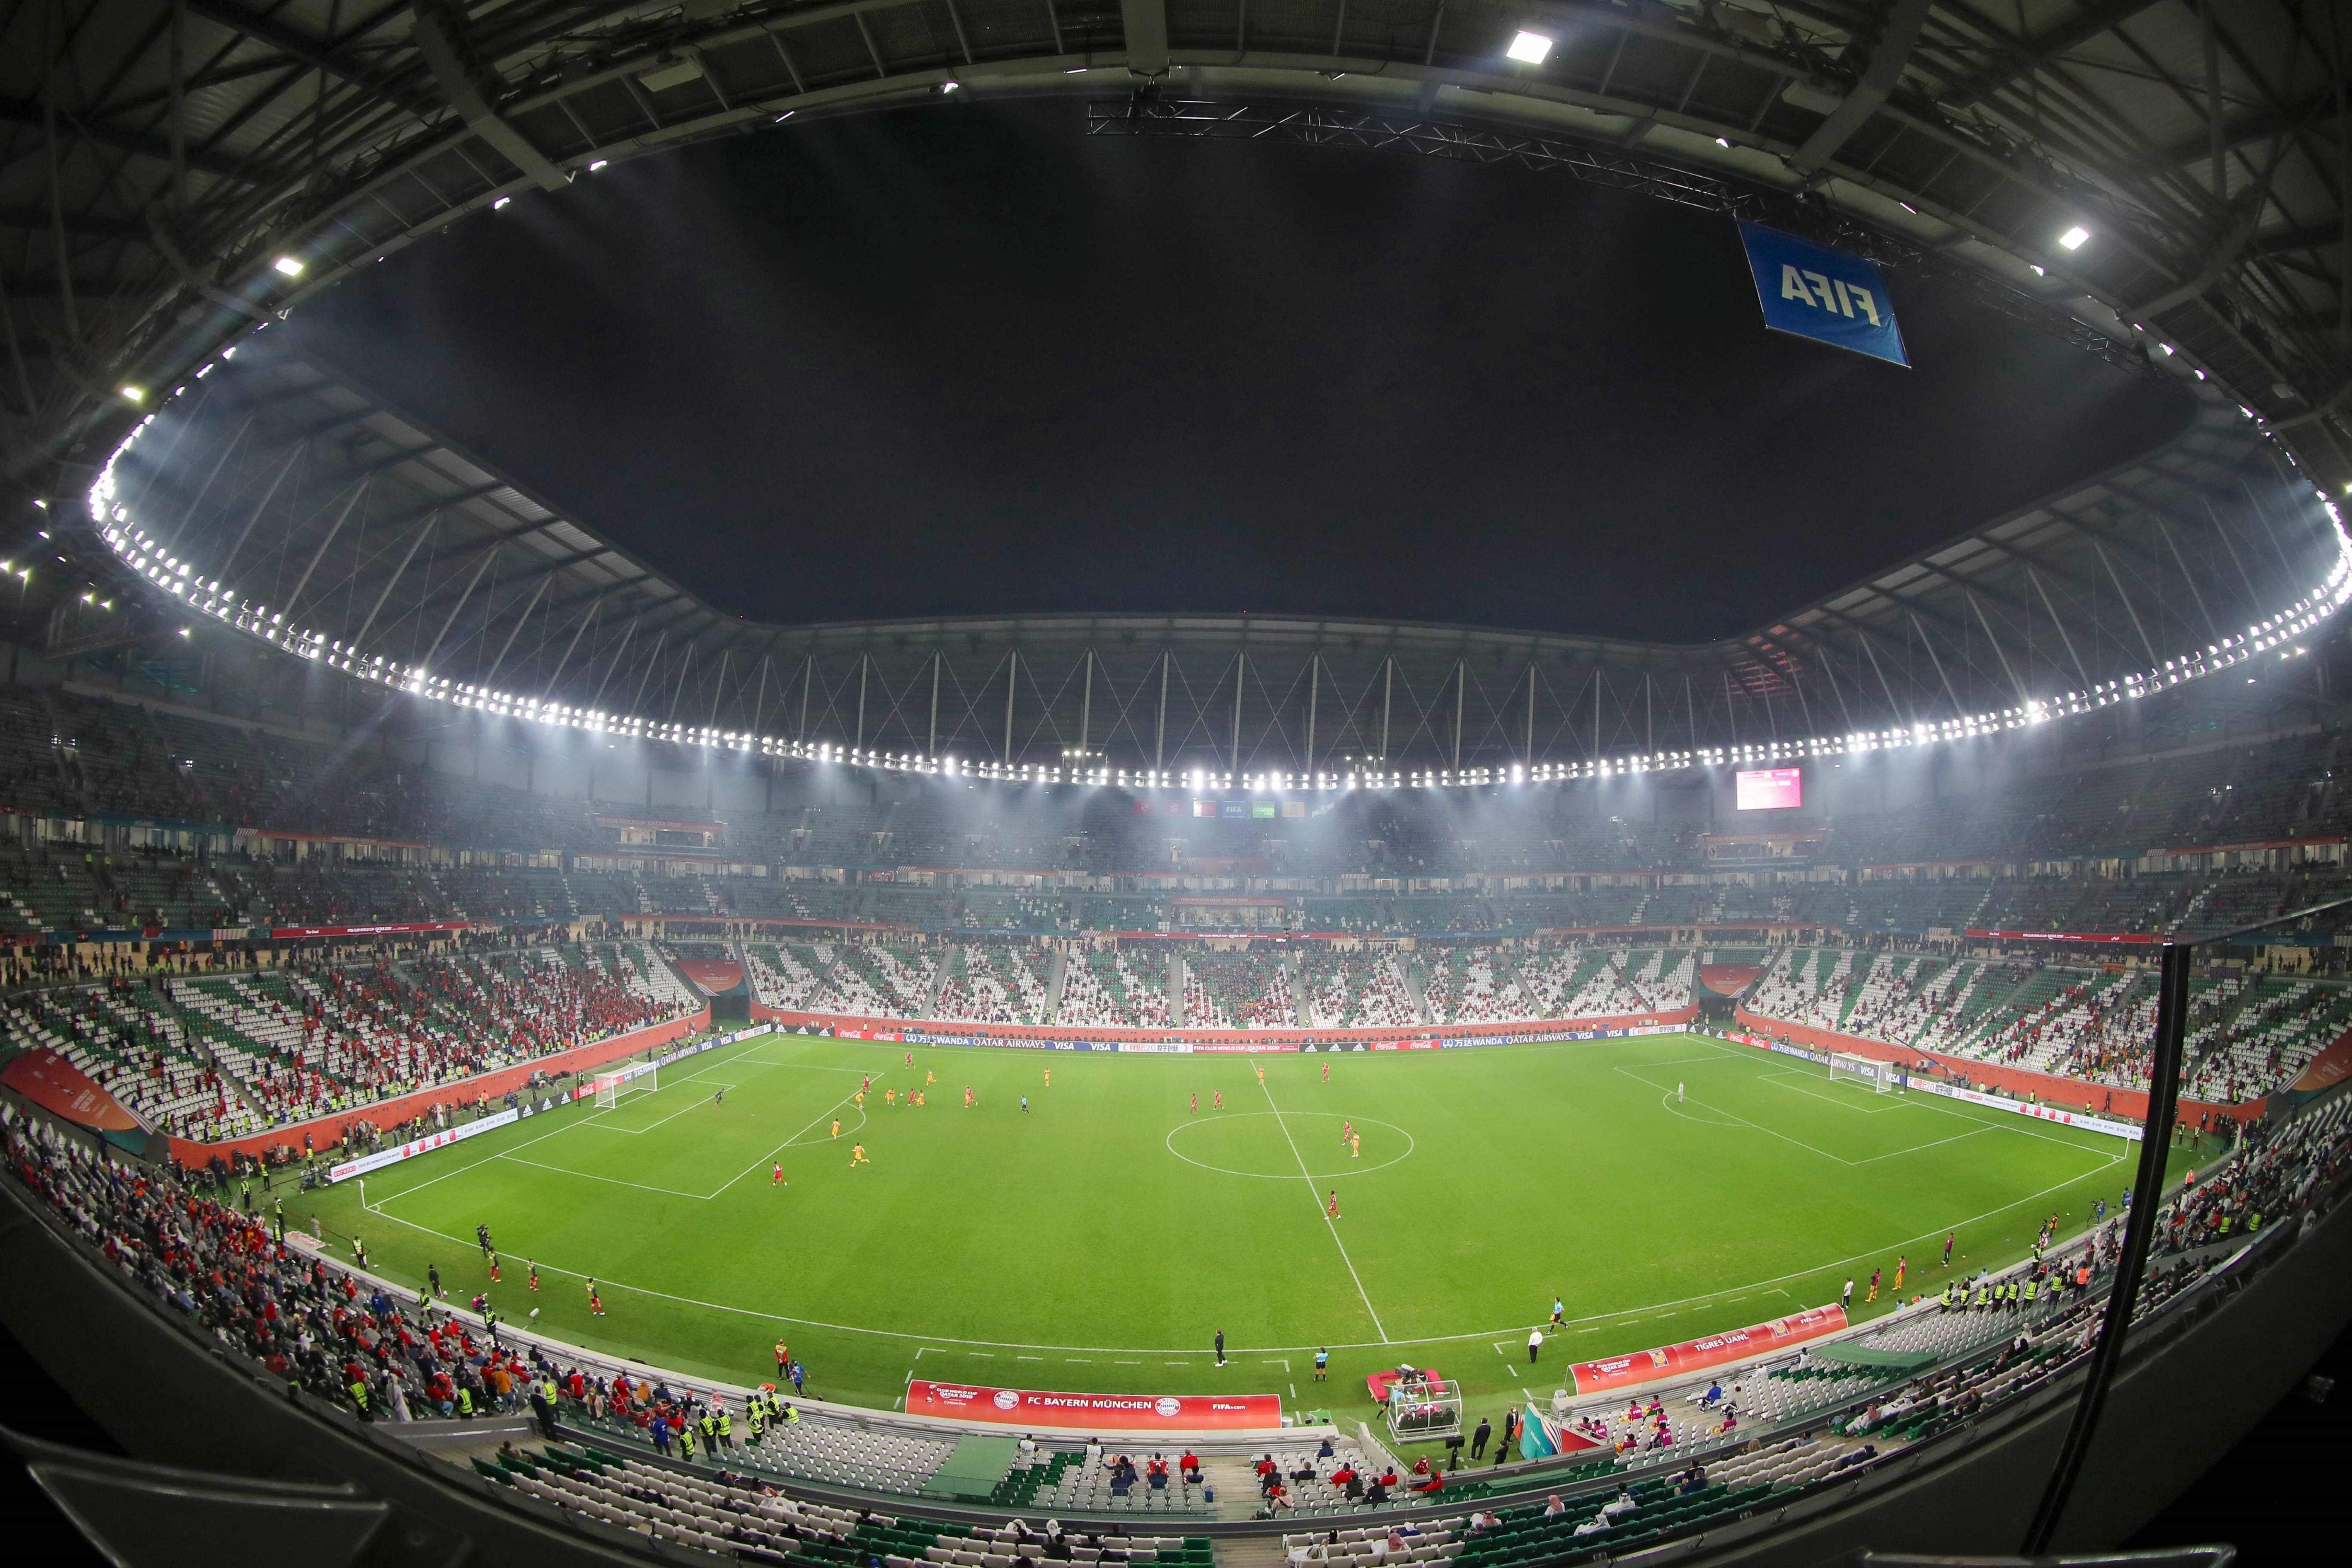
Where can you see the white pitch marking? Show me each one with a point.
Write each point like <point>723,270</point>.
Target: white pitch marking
<point>589,1176</point>
<point>1328,1222</point>
<point>795,1138</point>
<point>1596,1324</point>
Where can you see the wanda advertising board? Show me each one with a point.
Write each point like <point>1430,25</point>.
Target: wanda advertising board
<point>1095,1412</point>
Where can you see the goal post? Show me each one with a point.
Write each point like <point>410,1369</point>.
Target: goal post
<point>642,1078</point>
<point>1877,1076</point>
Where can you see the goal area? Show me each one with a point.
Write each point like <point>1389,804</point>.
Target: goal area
<point>1877,1076</point>
<point>642,1078</point>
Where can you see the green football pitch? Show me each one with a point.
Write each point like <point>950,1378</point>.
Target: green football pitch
<point>1100,1239</point>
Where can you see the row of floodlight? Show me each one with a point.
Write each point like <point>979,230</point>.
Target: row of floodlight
<point>183,581</point>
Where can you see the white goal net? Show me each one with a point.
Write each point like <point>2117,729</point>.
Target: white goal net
<point>639,1079</point>
<point>1877,1076</point>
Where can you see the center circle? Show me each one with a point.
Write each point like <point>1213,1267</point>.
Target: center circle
<point>1252,1143</point>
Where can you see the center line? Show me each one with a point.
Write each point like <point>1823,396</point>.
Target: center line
<point>1328,1223</point>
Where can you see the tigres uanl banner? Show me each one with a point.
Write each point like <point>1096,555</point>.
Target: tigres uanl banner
<point>58,1087</point>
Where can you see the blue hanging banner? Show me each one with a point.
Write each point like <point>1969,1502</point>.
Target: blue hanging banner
<point>1815,292</point>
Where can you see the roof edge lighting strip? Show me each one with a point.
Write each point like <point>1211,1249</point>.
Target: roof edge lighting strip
<point>167,576</point>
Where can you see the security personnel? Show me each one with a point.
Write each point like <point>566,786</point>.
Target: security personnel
<point>465,1402</point>
<point>756,1413</point>
<point>709,1431</point>
<point>1984,1294</point>
<point>2032,1293</point>
<point>726,1426</point>
<point>360,1396</point>
<point>686,1440</point>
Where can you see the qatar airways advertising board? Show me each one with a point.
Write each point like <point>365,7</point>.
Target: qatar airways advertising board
<point>1097,1412</point>
<point>1769,789</point>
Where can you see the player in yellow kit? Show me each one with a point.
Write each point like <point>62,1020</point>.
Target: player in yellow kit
<point>857,1156</point>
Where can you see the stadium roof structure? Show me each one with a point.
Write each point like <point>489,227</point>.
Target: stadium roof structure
<point>2146,174</point>
<point>275,497</point>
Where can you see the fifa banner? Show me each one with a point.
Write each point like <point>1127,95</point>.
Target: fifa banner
<point>399,1152</point>
<point>1812,292</point>
<point>1715,1349</point>
<point>1097,1412</point>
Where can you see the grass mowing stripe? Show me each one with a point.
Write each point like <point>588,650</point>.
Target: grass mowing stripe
<point>1078,1232</point>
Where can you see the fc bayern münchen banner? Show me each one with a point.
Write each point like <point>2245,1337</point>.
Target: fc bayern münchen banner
<point>1815,292</point>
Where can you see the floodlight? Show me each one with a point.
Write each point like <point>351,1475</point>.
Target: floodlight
<point>500,202</point>
<point>598,164</point>
<point>1530,49</point>
<point>2075,237</point>
<point>289,265</point>
<point>133,393</point>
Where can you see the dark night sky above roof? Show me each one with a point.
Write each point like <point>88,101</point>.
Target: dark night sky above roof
<point>966,361</point>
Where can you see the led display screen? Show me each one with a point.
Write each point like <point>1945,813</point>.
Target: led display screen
<point>1770,789</point>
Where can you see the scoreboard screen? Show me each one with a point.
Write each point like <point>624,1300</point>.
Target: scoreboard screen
<point>1770,789</point>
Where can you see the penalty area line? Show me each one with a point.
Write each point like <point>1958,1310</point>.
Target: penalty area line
<point>788,1142</point>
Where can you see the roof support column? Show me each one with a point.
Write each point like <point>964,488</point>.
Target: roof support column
<point>1086,706</point>
<point>1999,652</point>
<point>434,41</point>
<point>1387,703</point>
<point>931,747</point>
<point>1529,752</point>
<point>1461,697</point>
<point>2129,608</point>
<point>1889,52</point>
<point>1241,675</point>
<point>1159,730</point>
<point>2035,578</point>
<point>1011,685</point>
<point>865,665</point>
<point>1314,680</point>
<point>1145,23</point>
<point>455,609</point>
